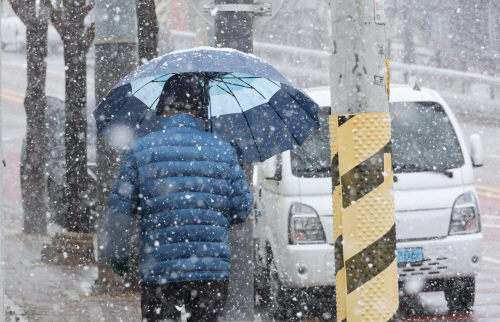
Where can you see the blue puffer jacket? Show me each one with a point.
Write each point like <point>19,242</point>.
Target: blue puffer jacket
<point>187,187</point>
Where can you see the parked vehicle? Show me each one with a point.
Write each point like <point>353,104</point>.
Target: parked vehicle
<point>14,35</point>
<point>438,226</point>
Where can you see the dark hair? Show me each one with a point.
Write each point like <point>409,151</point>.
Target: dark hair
<point>181,93</point>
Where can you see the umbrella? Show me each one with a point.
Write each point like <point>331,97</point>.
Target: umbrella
<point>250,103</point>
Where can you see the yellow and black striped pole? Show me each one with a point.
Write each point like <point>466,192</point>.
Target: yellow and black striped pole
<point>360,131</point>
<point>365,235</point>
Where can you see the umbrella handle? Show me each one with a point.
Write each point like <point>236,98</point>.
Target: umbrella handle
<point>206,91</point>
<point>206,95</point>
<point>208,128</point>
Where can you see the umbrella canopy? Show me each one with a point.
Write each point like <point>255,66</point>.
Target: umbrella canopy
<point>250,103</point>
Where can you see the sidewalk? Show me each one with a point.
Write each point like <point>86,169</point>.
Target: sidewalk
<point>38,291</point>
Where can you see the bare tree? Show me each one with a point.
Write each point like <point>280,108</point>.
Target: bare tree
<point>147,36</point>
<point>147,27</point>
<point>68,19</point>
<point>34,159</point>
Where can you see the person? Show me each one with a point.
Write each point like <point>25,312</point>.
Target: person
<point>187,188</point>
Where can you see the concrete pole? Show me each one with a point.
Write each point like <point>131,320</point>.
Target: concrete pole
<point>115,57</point>
<point>360,129</point>
<point>234,30</point>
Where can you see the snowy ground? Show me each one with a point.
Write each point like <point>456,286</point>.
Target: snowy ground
<point>54,293</point>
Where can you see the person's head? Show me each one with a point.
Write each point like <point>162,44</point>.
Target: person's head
<point>182,93</point>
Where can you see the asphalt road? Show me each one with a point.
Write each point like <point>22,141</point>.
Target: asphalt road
<point>428,307</point>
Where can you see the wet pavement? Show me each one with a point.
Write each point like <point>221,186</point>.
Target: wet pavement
<point>48,292</point>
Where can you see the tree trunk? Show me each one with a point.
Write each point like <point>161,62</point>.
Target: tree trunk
<point>34,160</point>
<point>75,54</point>
<point>147,34</point>
<point>147,30</point>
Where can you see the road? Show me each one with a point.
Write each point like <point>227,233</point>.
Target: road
<point>429,307</point>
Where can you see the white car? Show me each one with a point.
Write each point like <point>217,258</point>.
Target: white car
<point>14,35</point>
<point>438,224</point>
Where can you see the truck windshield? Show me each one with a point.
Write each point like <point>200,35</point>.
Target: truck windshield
<point>423,139</point>
<point>312,158</point>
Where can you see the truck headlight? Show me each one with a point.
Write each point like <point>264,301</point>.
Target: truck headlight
<point>305,226</point>
<point>465,215</point>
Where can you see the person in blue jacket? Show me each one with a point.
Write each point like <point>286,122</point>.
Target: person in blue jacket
<point>187,188</point>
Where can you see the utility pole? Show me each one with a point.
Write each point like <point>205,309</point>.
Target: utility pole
<point>115,57</point>
<point>233,29</point>
<point>360,131</point>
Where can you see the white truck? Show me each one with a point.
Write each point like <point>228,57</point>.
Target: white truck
<point>438,226</point>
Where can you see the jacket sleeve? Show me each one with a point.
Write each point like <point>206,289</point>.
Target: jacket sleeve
<point>122,208</point>
<point>242,199</point>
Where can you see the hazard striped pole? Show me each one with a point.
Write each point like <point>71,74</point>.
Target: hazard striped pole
<point>360,132</point>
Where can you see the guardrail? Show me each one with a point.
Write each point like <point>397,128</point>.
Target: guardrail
<point>467,93</point>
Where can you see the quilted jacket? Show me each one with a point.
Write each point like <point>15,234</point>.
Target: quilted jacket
<point>186,188</point>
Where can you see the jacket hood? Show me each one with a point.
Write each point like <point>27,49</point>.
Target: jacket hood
<point>179,120</point>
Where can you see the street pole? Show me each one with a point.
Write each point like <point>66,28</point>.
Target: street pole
<point>115,57</point>
<point>233,29</point>
<point>360,130</point>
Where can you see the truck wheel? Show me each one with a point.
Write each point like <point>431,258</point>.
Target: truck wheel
<point>279,302</point>
<point>262,279</point>
<point>459,293</point>
<point>275,293</point>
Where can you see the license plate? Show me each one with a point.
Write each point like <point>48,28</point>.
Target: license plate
<point>410,255</point>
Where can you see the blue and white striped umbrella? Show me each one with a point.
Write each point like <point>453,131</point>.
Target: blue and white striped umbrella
<point>251,104</point>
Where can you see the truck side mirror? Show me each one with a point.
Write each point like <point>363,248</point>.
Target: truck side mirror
<point>269,168</point>
<point>255,176</point>
<point>476,150</point>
